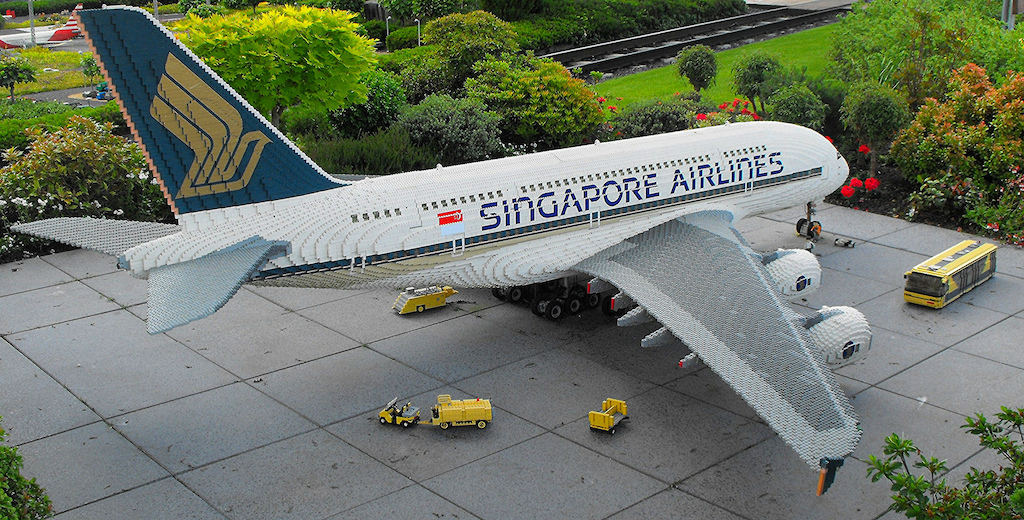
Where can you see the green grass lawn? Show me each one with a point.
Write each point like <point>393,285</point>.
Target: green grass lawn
<point>806,48</point>
<point>68,72</point>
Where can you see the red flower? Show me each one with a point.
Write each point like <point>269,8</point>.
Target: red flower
<point>864,149</point>
<point>735,102</point>
<point>701,117</point>
<point>829,139</point>
<point>723,106</point>
<point>993,226</point>
<point>746,103</point>
<point>600,100</point>
<point>847,191</point>
<point>612,108</point>
<point>855,183</point>
<point>871,183</point>
<point>756,117</point>
<point>746,112</point>
<point>618,98</point>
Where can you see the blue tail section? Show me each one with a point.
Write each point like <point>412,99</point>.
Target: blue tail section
<point>208,147</point>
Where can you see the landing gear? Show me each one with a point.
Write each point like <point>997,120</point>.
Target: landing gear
<point>808,227</point>
<point>551,299</point>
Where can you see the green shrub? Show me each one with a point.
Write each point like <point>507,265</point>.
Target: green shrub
<point>464,39</point>
<point>512,10</point>
<point>544,33</point>
<point>457,130</point>
<point>434,8</point>
<point>656,117</point>
<point>404,38</point>
<point>697,64</point>
<point>429,74</point>
<point>874,113</point>
<point>242,4</point>
<point>12,131</point>
<point>79,170</point>
<point>353,6</point>
<point>385,99</point>
<point>375,29</point>
<point>302,120</point>
<point>758,76</point>
<point>390,151</point>
<point>985,494</point>
<point>798,105</point>
<point>28,109</point>
<point>20,498</point>
<point>401,10</point>
<point>48,6</point>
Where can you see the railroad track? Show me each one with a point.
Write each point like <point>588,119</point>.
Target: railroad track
<point>618,54</point>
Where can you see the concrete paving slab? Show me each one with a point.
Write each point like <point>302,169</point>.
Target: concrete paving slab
<point>1010,261</point>
<point>961,383</point>
<point>797,212</point>
<point>82,263</point>
<point>585,326</point>
<point>1004,294</point>
<point>29,274</point>
<point>770,481</point>
<point>344,384</point>
<point>411,503</point>
<point>844,288</point>
<point>935,431</point>
<point>114,366</point>
<point>670,436</point>
<point>294,299</point>
<point>860,225</point>
<point>49,305</point>
<point>165,499</point>
<point>251,336</point>
<point>545,477</point>
<point>236,418</point>
<point>443,354</point>
<point>308,477</point>
<point>120,287</point>
<point>924,239</point>
<point>553,388</point>
<point>1000,342</point>
<point>874,262</point>
<point>87,464</point>
<point>706,386</point>
<point>426,451</point>
<point>32,404</point>
<point>775,235</point>
<point>367,317</point>
<point>619,348</point>
<point>890,353</point>
<point>983,460</point>
<point>673,503</point>
<point>947,326</point>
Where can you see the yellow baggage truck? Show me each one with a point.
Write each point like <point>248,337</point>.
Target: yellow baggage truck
<point>948,275</point>
<point>613,411</point>
<point>464,412</point>
<point>419,300</point>
<point>405,416</point>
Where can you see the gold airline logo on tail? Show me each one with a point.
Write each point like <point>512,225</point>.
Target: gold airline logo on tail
<point>188,108</point>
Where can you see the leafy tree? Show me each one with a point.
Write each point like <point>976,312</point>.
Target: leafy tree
<point>285,57</point>
<point>20,498</point>
<point>457,130</point>
<point>539,102</point>
<point>464,39</point>
<point>797,104</point>
<point>875,113</point>
<point>985,494</point>
<point>914,46</point>
<point>757,76</point>
<point>385,99</point>
<point>698,64</point>
<point>81,170</point>
<point>401,10</point>
<point>434,8</point>
<point>14,71</point>
<point>90,68</point>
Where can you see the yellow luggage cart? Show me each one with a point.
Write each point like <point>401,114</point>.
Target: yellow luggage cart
<point>613,411</point>
<point>419,300</point>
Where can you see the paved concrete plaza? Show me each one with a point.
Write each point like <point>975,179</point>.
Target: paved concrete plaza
<point>267,409</point>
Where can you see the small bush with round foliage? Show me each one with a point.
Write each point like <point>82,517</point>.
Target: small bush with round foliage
<point>697,64</point>
<point>400,10</point>
<point>20,498</point>
<point>434,8</point>
<point>757,76</point>
<point>403,38</point>
<point>457,130</point>
<point>81,170</point>
<point>656,117</point>
<point>874,113</point>
<point>428,74</point>
<point>798,105</point>
<point>512,10</point>
<point>385,99</point>
<point>464,39</point>
<point>303,120</point>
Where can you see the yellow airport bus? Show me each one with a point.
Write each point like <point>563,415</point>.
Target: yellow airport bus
<point>948,275</point>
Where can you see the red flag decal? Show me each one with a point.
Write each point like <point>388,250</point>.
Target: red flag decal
<point>450,217</point>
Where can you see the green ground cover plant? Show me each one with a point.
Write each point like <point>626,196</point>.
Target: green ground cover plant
<point>20,498</point>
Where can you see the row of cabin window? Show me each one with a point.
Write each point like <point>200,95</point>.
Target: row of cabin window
<point>377,215</point>
<point>744,151</point>
<point>628,171</point>
<point>472,198</point>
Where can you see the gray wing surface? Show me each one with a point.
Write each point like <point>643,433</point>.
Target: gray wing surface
<point>699,278</point>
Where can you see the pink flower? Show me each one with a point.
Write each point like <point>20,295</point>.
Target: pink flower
<point>871,183</point>
<point>701,117</point>
<point>864,149</point>
<point>855,183</point>
<point>847,191</point>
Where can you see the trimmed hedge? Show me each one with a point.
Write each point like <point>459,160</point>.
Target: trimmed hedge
<point>12,131</point>
<point>404,38</point>
<point>48,6</point>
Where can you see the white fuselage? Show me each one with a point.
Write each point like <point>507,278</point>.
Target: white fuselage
<point>515,220</point>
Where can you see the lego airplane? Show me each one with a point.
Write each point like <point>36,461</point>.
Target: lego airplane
<point>649,219</point>
<point>44,37</point>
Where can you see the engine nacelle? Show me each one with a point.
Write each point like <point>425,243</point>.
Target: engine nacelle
<point>796,272</point>
<point>841,335</point>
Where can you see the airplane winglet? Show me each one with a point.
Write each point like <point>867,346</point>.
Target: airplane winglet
<point>185,292</point>
<point>827,475</point>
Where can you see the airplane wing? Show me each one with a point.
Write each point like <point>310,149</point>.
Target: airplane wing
<point>700,279</point>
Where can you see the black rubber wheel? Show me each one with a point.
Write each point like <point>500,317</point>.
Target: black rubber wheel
<point>801,227</point>
<point>592,301</point>
<point>514,294</point>
<point>606,306</point>
<point>421,308</point>
<point>406,424</point>
<point>539,306</point>
<point>574,305</point>
<point>612,431</point>
<point>555,310</point>
<point>481,424</point>
<point>444,425</point>
<point>383,420</point>
<point>498,293</point>
<point>815,230</point>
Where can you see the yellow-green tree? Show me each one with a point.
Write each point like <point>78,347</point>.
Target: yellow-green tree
<point>285,57</point>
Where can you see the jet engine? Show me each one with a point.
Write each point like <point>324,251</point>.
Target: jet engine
<point>796,272</point>
<point>841,335</point>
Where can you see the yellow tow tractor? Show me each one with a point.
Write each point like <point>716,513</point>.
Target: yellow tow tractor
<point>405,416</point>
<point>464,412</point>
<point>613,411</point>
<point>419,300</point>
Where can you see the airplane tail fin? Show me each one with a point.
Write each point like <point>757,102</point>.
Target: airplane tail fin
<point>66,32</point>
<point>207,146</point>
